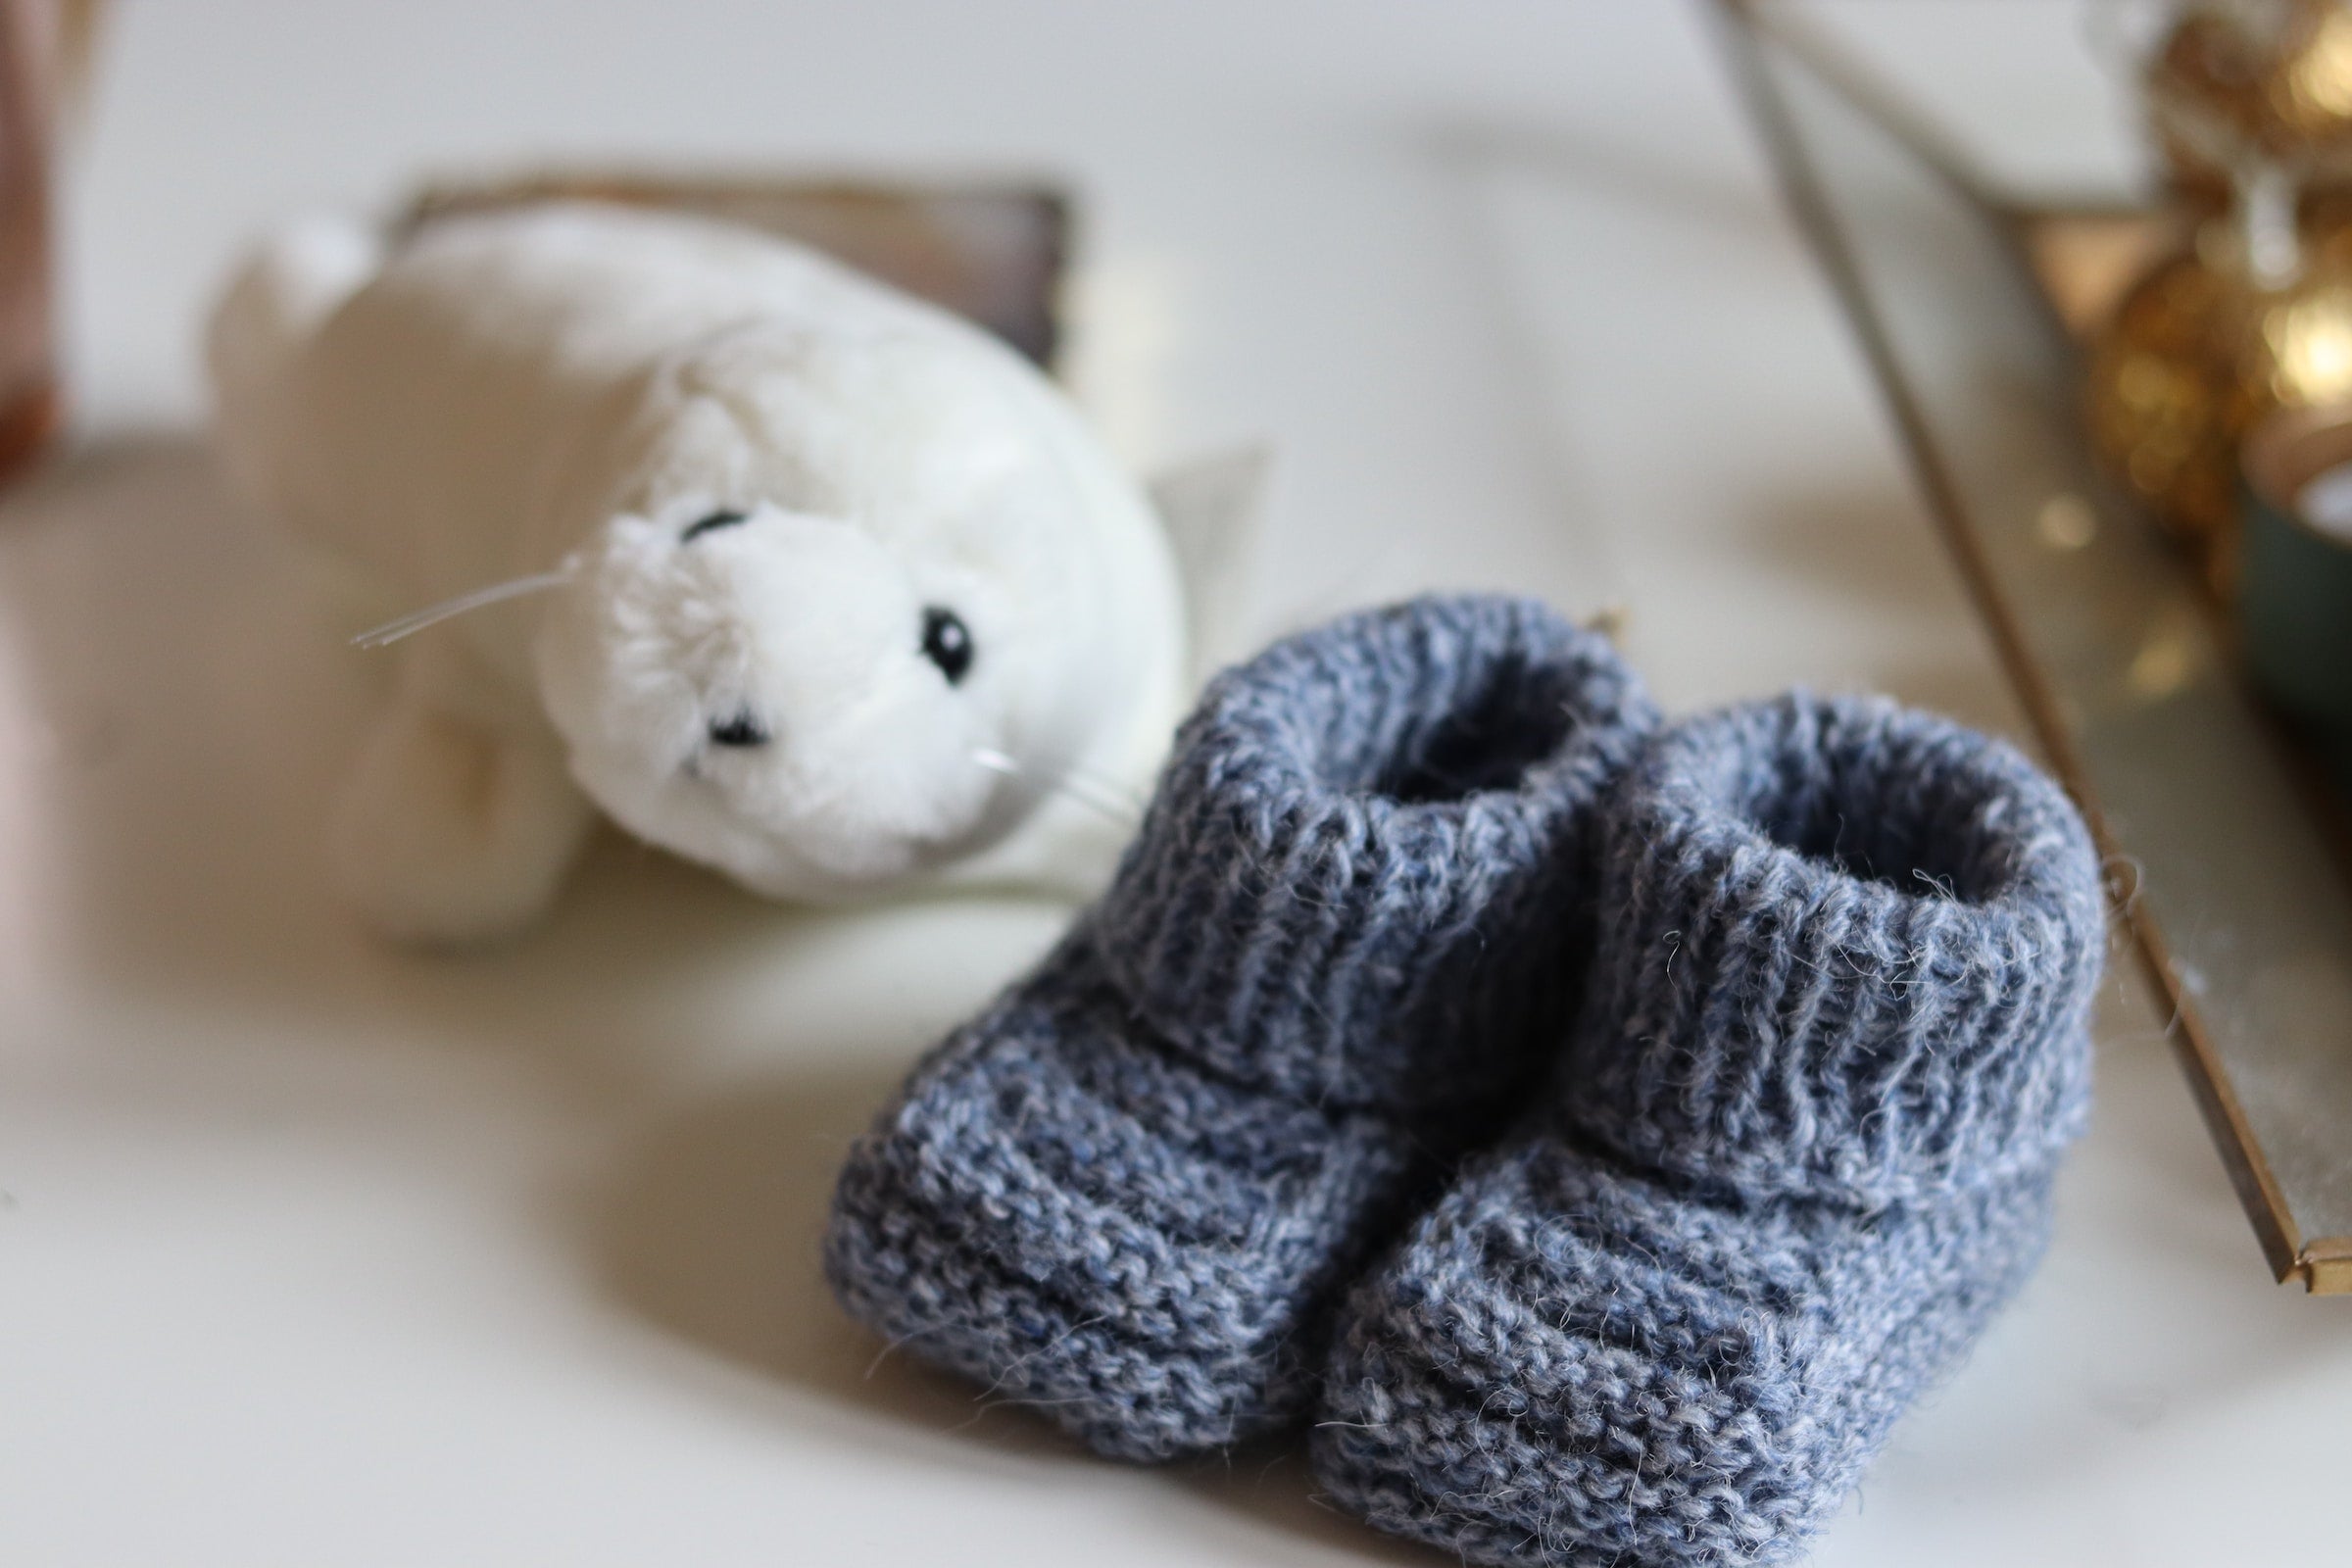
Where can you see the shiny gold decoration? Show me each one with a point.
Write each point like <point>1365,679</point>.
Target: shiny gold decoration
<point>2195,355</point>
<point>2252,101</point>
<point>2274,76</point>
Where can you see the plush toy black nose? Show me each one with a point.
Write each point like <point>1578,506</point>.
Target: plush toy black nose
<point>744,729</point>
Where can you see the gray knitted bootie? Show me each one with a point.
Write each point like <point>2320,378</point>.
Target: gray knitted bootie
<point>1800,1150</point>
<point>1129,1192</point>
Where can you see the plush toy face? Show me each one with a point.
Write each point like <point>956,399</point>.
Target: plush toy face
<point>838,635</point>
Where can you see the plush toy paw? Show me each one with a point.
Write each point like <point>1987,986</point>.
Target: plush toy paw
<point>451,834</point>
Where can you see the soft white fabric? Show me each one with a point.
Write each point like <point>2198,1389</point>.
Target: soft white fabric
<point>576,385</point>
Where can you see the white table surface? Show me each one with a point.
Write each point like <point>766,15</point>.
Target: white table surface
<point>312,1253</point>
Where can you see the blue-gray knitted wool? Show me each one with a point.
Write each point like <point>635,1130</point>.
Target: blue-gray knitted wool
<point>1799,1150</point>
<point>1130,1192</point>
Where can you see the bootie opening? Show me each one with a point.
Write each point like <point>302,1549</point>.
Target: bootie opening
<point>1858,792</point>
<point>1437,703</point>
<point>1363,865</point>
<point>1517,714</point>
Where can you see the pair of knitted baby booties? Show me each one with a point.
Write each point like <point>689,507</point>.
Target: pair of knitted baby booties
<point>1599,1131</point>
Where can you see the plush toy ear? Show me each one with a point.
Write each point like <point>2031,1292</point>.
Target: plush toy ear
<point>1214,511</point>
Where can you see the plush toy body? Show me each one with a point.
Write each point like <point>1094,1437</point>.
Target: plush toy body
<point>850,601</point>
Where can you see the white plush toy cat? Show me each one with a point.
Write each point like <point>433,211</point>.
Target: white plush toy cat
<point>841,596</point>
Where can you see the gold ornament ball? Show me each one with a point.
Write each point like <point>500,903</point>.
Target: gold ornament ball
<point>2284,93</point>
<point>2194,356</point>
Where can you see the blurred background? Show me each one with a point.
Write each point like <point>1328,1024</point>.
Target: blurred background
<point>312,1249</point>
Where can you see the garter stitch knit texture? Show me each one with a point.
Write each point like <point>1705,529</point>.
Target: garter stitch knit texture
<point>1129,1193</point>
<point>1800,1150</point>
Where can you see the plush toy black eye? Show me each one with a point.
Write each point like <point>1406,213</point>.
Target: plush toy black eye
<point>948,642</point>
<point>717,519</point>
<point>741,730</point>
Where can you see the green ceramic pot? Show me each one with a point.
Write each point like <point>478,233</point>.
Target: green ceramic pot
<point>2294,588</point>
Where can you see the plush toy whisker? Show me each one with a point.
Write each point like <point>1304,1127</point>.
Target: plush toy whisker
<point>1105,796</point>
<point>416,620</point>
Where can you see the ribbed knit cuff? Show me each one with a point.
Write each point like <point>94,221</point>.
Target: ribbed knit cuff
<point>1846,951</point>
<point>1361,876</point>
